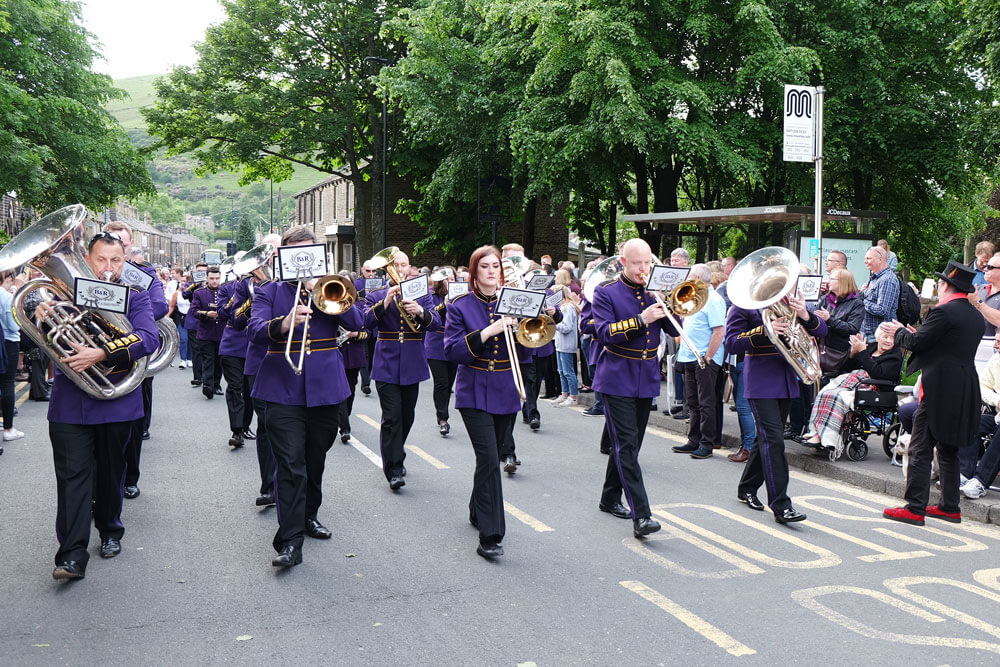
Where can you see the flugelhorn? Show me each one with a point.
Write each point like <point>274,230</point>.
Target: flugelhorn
<point>384,260</point>
<point>54,245</point>
<point>333,295</point>
<point>761,281</point>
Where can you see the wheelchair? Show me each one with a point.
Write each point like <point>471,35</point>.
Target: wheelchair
<point>874,413</point>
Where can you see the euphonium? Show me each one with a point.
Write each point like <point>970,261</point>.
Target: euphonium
<point>384,260</point>
<point>170,342</point>
<point>762,280</point>
<point>257,262</point>
<point>54,245</point>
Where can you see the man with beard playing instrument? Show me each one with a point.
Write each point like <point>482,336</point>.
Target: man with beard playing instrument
<point>89,435</point>
<point>301,409</point>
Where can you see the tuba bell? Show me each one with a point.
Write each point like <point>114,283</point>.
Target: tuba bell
<point>170,343</point>
<point>54,245</point>
<point>761,281</point>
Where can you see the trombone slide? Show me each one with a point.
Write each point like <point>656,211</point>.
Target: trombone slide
<point>680,331</point>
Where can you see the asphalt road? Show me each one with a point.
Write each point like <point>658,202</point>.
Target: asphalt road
<point>400,582</point>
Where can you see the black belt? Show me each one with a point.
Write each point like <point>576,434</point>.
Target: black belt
<point>631,352</point>
<point>400,335</point>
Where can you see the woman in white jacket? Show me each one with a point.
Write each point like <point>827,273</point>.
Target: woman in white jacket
<point>566,343</point>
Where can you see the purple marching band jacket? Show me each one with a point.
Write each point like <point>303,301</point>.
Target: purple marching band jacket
<point>70,405</point>
<point>587,327</point>
<point>234,341</point>
<point>483,380</point>
<point>625,340</point>
<point>205,300</point>
<point>399,352</point>
<point>157,299</point>
<point>766,374</point>
<point>238,310</point>
<point>323,380</point>
<point>434,340</point>
<point>191,319</point>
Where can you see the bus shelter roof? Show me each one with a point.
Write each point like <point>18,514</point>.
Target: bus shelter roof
<point>732,216</point>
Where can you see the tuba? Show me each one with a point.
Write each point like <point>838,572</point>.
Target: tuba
<point>54,245</point>
<point>762,280</point>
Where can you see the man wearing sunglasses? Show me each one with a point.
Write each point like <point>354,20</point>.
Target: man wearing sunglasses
<point>986,298</point>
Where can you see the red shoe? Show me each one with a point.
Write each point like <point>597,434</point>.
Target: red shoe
<point>904,515</point>
<point>935,511</point>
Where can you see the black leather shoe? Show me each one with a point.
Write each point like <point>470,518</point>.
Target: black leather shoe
<point>218,392</point>
<point>509,466</point>
<point>236,441</point>
<point>366,390</point>
<point>788,434</point>
<point>684,449</point>
<point>643,527</point>
<point>110,547</point>
<point>489,551</point>
<point>444,429</point>
<point>404,471</point>
<point>207,393</point>
<point>790,515</point>
<point>195,383</point>
<point>264,500</point>
<point>591,412</point>
<point>682,415</point>
<point>751,500</point>
<point>396,482</point>
<point>315,529</point>
<point>131,491</point>
<point>344,437</point>
<point>605,450</point>
<point>69,569</point>
<point>617,510</point>
<point>145,435</point>
<point>249,435</point>
<point>287,557</point>
<point>534,424</point>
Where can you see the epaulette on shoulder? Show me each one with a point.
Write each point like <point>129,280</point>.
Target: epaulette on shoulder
<point>608,282</point>
<point>134,288</point>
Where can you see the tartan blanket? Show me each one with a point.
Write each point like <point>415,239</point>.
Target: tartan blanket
<point>832,405</point>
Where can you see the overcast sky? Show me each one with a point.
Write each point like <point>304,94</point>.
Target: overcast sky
<point>140,37</point>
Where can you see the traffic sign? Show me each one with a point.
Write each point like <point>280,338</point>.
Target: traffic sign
<point>800,127</point>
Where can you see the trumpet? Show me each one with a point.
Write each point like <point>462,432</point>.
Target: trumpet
<point>333,295</point>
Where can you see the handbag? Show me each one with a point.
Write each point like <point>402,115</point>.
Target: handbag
<point>830,358</point>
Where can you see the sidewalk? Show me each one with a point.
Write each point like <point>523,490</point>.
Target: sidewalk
<point>875,473</point>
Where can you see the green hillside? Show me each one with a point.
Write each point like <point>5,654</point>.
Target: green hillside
<point>174,176</point>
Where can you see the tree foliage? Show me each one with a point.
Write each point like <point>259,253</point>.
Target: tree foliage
<point>57,143</point>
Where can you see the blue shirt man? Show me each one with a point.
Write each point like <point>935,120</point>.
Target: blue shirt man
<point>881,296</point>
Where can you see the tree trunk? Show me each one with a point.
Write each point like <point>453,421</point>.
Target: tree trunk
<point>612,228</point>
<point>528,227</point>
<point>666,179</point>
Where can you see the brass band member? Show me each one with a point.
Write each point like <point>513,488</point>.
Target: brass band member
<point>205,303</point>
<point>301,410</point>
<point>442,370</point>
<point>89,435</point>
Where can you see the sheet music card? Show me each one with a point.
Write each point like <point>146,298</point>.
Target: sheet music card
<point>100,295</point>
<point>809,286</point>
<point>553,300</point>
<point>199,276</point>
<point>414,288</point>
<point>666,278</point>
<point>373,284</point>
<point>133,276</point>
<point>540,282</point>
<point>519,303</point>
<point>457,290</point>
<point>302,262</point>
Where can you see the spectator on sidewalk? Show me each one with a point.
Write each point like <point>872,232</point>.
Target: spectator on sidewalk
<point>881,295</point>
<point>11,352</point>
<point>891,259</point>
<point>843,312</point>
<point>566,343</point>
<point>984,250</point>
<point>985,473</point>
<point>988,295</point>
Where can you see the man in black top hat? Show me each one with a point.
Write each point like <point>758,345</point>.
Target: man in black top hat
<point>944,349</point>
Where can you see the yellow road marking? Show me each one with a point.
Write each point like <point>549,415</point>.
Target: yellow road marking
<point>666,435</point>
<point>690,619</point>
<point>437,463</point>
<point>671,532</point>
<point>901,587</point>
<point>526,519</point>
<point>19,402</point>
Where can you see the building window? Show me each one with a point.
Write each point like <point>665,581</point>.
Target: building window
<point>349,256</point>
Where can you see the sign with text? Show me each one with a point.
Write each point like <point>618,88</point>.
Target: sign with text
<point>664,278</point>
<point>540,282</point>
<point>302,262</point>
<point>457,289</point>
<point>133,276</point>
<point>199,276</point>
<point>413,289</point>
<point>100,295</point>
<point>519,303</point>
<point>553,300</point>
<point>800,127</point>
<point>373,284</point>
<point>809,287</point>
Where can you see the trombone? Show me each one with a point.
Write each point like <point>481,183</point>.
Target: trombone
<point>686,299</point>
<point>512,276</point>
<point>333,295</point>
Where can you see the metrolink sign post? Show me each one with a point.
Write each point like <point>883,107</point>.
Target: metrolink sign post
<point>804,143</point>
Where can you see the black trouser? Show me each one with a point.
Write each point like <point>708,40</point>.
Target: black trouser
<point>918,478</point>
<point>347,405</point>
<point>545,367</point>
<point>801,408</point>
<point>37,364</point>
<point>133,450</point>
<point>720,388</point>
<point>700,386</point>
<point>366,374</point>
<point>532,383</point>
<point>194,350</point>
<point>443,373</point>
<point>237,393</point>
<point>626,420</point>
<point>300,438</point>
<point>211,365</point>
<point>767,463</point>
<point>398,402</point>
<point>487,432</point>
<point>90,466</point>
<point>13,350</point>
<point>265,457</point>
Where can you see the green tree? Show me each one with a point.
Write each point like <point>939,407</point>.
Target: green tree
<point>245,234</point>
<point>282,82</point>
<point>57,143</point>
